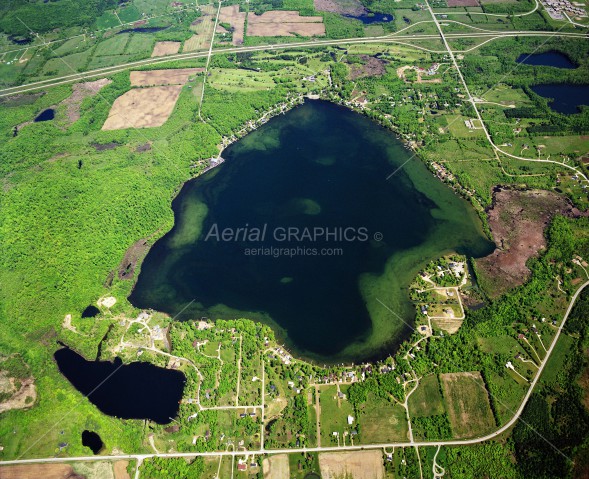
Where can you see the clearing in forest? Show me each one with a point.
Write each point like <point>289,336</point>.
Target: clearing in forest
<point>467,404</point>
<point>284,24</point>
<point>143,107</point>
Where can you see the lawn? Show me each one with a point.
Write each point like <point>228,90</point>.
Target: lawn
<point>427,399</point>
<point>240,80</point>
<point>467,403</point>
<point>334,414</point>
<point>382,421</point>
<point>458,128</point>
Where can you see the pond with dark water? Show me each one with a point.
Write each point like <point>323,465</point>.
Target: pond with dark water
<point>547,59</point>
<point>90,312</point>
<point>92,440</point>
<point>45,115</point>
<point>127,391</point>
<point>369,18</point>
<point>345,215</point>
<point>564,98</point>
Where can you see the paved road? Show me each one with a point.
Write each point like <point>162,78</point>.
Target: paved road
<point>455,442</point>
<point>393,38</point>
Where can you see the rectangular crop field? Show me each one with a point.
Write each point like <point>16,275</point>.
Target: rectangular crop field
<point>177,76</point>
<point>357,464</point>
<point>467,403</point>
<point>165,48</point>
<point>427,399</point>
<point>285,24</point>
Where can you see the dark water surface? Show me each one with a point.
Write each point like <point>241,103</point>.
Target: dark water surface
<point>318,166</point>
<point>90,312</point>
<point>565,98</point>
<point>132,391</point>
<point>92,440</point>
<point>142,30</point>
<point>45,115</point>
<point>547,59</point>
<point>373,17</point>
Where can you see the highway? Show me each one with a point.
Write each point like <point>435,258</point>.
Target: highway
<point>393,38</point>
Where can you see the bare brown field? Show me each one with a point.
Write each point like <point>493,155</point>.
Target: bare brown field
<point>343,7</point>
<point>467,404</point>
<point>163,77</point>
<point>276,467</point>
<point>463,3</point>
<point>143,108</point>
<point>120,469</point>
<point>38,471</point>
<point>236,19</point>
<point>284,24</point>
<point>357,464</point>
<point>165,48</point>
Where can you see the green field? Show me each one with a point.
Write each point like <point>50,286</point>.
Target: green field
<point>382,421</point>
<point>467,403</point>
<point>427,399</point>
<point>114,45</point>
<point>334,414</point>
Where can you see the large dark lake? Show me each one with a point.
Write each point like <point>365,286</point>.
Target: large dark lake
<point>563,97</point>
<point>127,391</point>
<point>320,167</point>
<point>548,59</point>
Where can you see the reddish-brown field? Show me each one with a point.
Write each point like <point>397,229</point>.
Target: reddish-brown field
<point>463,3</point>
<point>517,221</point>
<point>38,471</point>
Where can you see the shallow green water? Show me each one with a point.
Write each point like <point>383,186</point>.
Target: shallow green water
<point>318,169</point>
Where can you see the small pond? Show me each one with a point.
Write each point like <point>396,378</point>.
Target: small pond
<point>127,391</point>
<point>369,18</point>
<point>548,59</point>
<point>564,98</point>
<point>90,312</point>
<point>92,440</point>
<point>45,115</point>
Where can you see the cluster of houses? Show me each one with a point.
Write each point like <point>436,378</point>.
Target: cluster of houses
<point>558,8</point>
